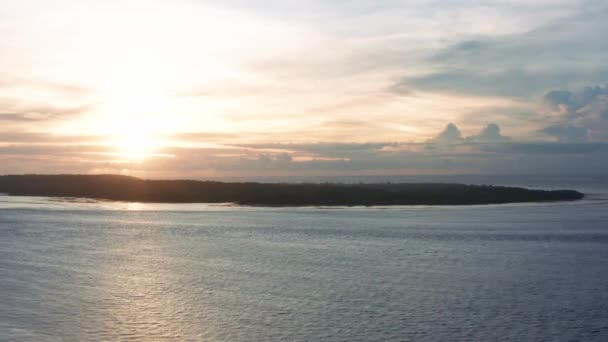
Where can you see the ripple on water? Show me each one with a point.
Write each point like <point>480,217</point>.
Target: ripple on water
<point>495,273</point>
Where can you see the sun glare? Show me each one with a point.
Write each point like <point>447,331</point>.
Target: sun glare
<point>136,146</point>
<point>135,125</point>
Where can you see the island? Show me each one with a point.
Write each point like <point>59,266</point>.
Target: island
<point>132,189</point>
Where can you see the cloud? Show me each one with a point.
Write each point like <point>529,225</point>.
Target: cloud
<point>490,133</point>
<point>567,52</point>
<point>556,98</point>
<point>582,115</point>
<point>80,151</point>
<point>11,137</point>
<point>38,114</point>
<point>450,134</point>
<point>35,153</point>
<point>513,82</point>
<point>574,101</point>
<point>567,133</point>
<point>533,150</point>
<point>328,150</point>
<point>36,101</point>
<point>276,161</point>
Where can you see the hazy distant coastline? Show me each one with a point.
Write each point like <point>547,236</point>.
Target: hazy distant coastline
<point>124,188</point>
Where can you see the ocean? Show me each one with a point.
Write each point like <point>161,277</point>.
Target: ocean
<point>80,270</point>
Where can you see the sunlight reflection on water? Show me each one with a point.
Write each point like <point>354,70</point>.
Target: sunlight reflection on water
<point>122,271</point>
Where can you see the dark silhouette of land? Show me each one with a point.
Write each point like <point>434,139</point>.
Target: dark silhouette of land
<point>124,188</point>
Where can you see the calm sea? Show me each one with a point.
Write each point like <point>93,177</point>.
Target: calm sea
<point>74,270</point>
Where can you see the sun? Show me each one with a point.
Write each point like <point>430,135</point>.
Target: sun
<point>136,139</point>
<point>135,125</point>
<point>136,147</point>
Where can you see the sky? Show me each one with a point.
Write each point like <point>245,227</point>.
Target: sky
<point>246,88</point>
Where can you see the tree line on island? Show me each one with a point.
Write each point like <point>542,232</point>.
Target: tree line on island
<point>126,188</point>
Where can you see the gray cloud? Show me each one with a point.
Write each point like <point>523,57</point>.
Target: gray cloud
<point>583,114</point>
<point>535,149</point>
<point>326,150</point>
<point>450,134</point>
<point>351,159</point>
<point>566,133</point>
<point>277,161</point>
<point>515,82</point>
<point>567,53</point>
<point>490,133</point>
<point>575,101</point>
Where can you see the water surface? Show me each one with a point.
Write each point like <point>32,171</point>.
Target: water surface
<point>78,271</point>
